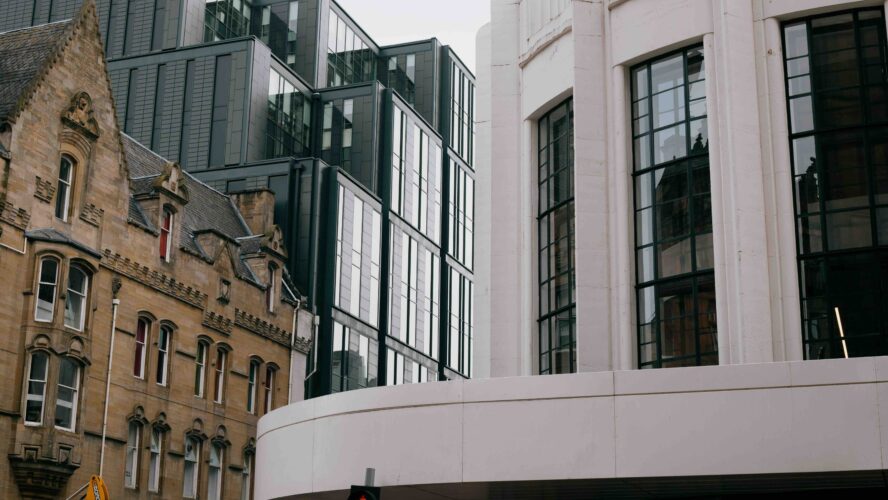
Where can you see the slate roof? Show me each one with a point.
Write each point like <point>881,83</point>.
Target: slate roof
<point>23,54</point>
<point>54,236</point>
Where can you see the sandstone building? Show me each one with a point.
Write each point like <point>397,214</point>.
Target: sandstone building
<point>139,307</point>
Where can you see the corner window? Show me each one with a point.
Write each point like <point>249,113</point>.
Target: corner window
<point>142,328</point>
<point>66,395</point>
<point>163,354</point>
<point>251,386</point>
<point>200,368</point>
<point>166,235</point>
<point>556,242</point>
<point>75,303</point>
<point>155,472</point>
<point>192,468</point>
<point>837,88</point>
<point>48,278</point>
<point>219,387</point>
<point>134,436</point>
<point>675,285</point>
<point>214,469</point>
<point>36,389</point>
<point>63,194</point>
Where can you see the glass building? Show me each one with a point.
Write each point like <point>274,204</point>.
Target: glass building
<point>368,150</point>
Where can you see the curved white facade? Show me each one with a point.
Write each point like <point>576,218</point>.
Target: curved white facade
<point>739,428</point>
<point>763,418</point>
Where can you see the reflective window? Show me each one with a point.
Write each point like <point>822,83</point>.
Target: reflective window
<point>200,368</point>
<point>416,177</point>
<point>401,369</point>
<point>214,472</point>
<point>557,243</point>
<point>47,280</point>
<point>224,19</point>
<point>143,327</point>
<point>36,389</point>
<point>349,58</point>
<point>462,109</point>
<point>277,25</point>
<point>247,477</point>
<point>460,328</point>
<point>288,128</point>
<point>675,284</point>
<point>355,357</point>
<point>219,385</point>
<point>166,239</point>
<point>66,394</point>
<point>461,212</point>
<point>357,263</point>
<point>415,294</point>
<point>269,389</point>
<point>252,381</point>
<point>75,302</point>
<point>402,76</point>
<point>837,86</point>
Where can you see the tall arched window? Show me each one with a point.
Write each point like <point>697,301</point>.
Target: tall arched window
<point>270,290</point>
<point>163,354</point>
<point>63,193</point>
<point>75,302</point>
<point>166,234</point>
<point>133,441</point>
<point>142,328</point>
<point>66,395</point>
<point>36,391</point>
<point>47,281</point>
<point>214,468</point>
<point>200,367</point>
<point>192,467</point>
<point>251,385</point>
<point>155,471</point>
<point>247,477</point>
<point>269,388</point>
<point>219,386</point>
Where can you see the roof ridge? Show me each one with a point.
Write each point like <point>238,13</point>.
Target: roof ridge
<point>36,26</point>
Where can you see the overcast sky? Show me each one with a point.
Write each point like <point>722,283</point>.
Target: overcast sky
<point>453,22</point>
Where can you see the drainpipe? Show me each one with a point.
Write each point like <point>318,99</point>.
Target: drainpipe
<point>292,352</point>
<point>114,304</point>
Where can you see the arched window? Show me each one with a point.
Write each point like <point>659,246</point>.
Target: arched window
<point>269,388</point>
<point>66,395</point>
<point>247,477</point>
<point>47,281</point>
<point>63,194</point>
<point>75,302</point>
<point>219,386</point>
<point>143,326</point>
<point>251,385</point>
<point>200,367</point>
<point>166,235</point>
<point>133,441</point>
<point>214,478</point>
<point>155,471</point>
<point>36,392</point>
<point>192,468</point>
<point>270,291</point>
<point>163,357</point>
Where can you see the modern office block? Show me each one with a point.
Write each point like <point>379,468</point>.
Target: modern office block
<point>368,150</point>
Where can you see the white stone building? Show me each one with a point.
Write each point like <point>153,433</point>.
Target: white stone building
<point>660,183</point>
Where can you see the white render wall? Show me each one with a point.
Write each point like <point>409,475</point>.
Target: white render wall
<point>541,52</point>
<point>824,416</point>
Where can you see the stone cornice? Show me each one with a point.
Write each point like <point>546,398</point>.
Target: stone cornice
<point>261,327</point>
<point>154,279</point>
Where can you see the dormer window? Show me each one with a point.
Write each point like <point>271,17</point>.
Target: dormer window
<point>269,291</point>
<point>63,196</point>
<point>166,235</point>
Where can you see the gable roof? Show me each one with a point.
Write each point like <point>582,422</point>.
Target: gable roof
<point>24,53</point>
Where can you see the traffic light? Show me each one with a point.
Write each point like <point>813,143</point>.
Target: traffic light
<point>364,493</point>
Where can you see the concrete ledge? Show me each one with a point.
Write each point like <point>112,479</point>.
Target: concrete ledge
<point>780,418</point>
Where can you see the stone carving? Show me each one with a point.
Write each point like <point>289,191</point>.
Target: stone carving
<point>171,182</point>
<point>217,322</point>
<point>80,115</point>
<point>15,217</point>
<point>44,190</point>
<point>261,327</point>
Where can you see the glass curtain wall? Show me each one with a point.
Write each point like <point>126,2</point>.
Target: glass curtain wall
<point>224,19</point>
<point>675,284</point>
<point>277,25</point>
<point>556,224</point>
<point>837,88</point>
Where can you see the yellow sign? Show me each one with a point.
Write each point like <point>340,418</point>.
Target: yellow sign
<point>97,489</point>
